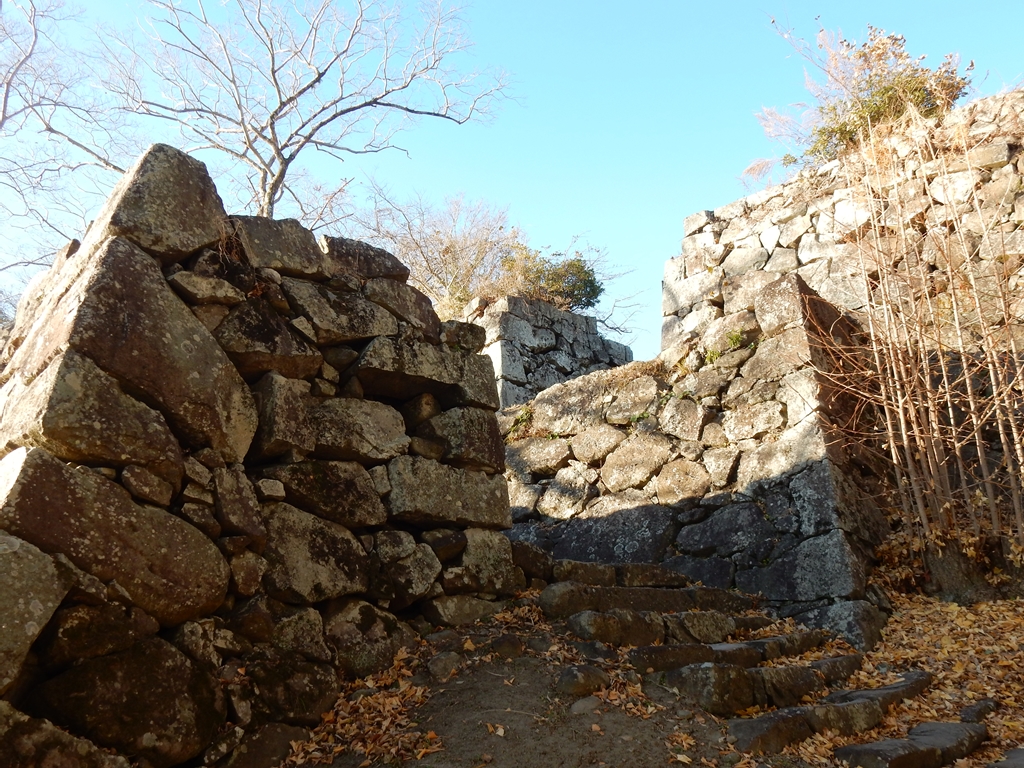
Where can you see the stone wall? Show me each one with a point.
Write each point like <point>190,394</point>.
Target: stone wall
<point>935,192</point>
<point>723,468</point>
<point>534,346</point>
<point>236,463</point>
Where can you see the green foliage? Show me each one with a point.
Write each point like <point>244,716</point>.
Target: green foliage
<point>735,339</point>
<point>711,356</point>
<point>874,84</point>
<point>861,88</point>
<point>569,283</point>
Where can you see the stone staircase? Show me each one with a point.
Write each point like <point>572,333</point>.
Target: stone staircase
<point>682,638</point>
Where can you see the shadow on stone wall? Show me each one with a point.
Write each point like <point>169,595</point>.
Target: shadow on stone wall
<point>730,467</point>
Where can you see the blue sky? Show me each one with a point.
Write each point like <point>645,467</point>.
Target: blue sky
<point>628,118</point>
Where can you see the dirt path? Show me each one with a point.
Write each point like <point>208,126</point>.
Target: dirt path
<point>500,712</point>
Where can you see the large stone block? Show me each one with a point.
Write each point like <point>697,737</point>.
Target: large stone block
<point>485,566</point>
<point>819,567</point>
<point>362,259</point>
<point>283,425</point>
<point>426,492</point>
<point>542,455</point>
<point>729,530</point>
<point>779,355</point>
<point>338,317</point>
<point>470,438</point>
<point>237,510</point>
<point>593,444</point>
<point>310,559</point>
<point>27,742</point>
<point>120,312</point>
<point>79,413</point>
<point>406,303</point>
<point>32,590</point>
<point>635,461</point>
<point>170,569</point>
<point>391,369</point>
<point>683,418</point>
<point>682,481</point>
<point>257,339</point>
<point>150,701</point>
<point>621,528</point>
<point>339,491</point>
<point>165,203</point>
<point>508,361</point>
<point>364,639</point>
<point>283,245</point>
<point>358,430</point>
<point>682,293</point>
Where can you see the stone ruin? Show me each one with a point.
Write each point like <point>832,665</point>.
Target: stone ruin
<point>229,448</point>
<point>725,469</point>
<point>535,345</point>
<point>731,465</point>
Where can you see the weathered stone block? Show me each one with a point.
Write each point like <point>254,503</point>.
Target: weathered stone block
<point>310,559</point>
<point>283,425</point>
<point>485,566</point>
<point>165,203</point>
<point>637,399</point>
<point>121,701</point>
<point>77,412</point>
<point>402,371</point>
<point>823,566</point>
<point>618,528</point>
<point>593,444</point>
<point>364,639</point>
<point>470,438</point>
<point>169,568</point>
<point>406,303</point>
<point>727,531</point>
<point>426,492</point>
<point>682,481</point>
<point>27,742</point>
<point>283,245</point>
<point>33,589</point>
<point>635,461</point>
<point>338,317</point>
<point>339,491</point>
<point>361,259</point>
<point>257,339</point>
<point>120,312</point>
<point>358,430</point>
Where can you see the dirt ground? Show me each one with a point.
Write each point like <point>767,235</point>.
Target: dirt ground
<point>498,712</point>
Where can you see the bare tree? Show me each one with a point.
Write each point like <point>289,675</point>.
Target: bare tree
<point>265,91</point>
<point>453,251</point>
<point>265,85</point>
<point>60,139</point>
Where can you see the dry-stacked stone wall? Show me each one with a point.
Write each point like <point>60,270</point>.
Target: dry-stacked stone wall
<point>899,204</point>
<point>723,468</point>
<point>236,463</point>
<point>534,345</point>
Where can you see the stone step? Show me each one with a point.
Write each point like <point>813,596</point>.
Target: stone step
<point>1012,759</point>
<point>928,745</point>
<point>563,599</point>
<point>913,684</point>
<point>629,627</point>
<point>661,658</point>
<point>725,689</point>
<point>845,712</point>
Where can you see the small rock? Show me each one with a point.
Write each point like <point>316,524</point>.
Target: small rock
<point>585,706</point>
<point>444,665</point>
<point>582,680</point>
<point>508,646</point>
